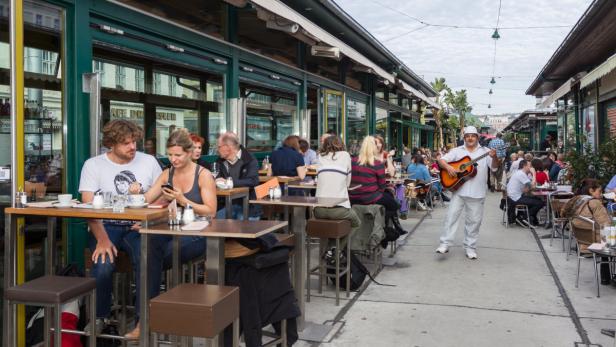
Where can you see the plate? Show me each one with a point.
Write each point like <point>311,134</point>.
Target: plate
<point>145,204</point>
<point>58,205</point>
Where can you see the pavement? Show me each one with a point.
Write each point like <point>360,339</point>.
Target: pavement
<point>513,295</point>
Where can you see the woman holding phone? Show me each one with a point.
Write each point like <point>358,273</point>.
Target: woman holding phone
<point>188,184</point>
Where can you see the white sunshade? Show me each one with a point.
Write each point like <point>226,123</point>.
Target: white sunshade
<point>558,93</point>
<point>599,71</point>
<point>282,10</point>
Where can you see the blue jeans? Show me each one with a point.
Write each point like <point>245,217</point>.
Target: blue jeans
<point>255,212</point>
<point>159,258</point>
<point>103,271</point>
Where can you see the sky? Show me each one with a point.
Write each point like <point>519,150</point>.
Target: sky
<point>465,57</point>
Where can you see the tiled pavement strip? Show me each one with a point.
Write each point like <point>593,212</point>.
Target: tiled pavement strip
<point>507,297</point>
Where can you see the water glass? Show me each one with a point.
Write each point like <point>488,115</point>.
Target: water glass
<point>108,198</point>
<point>119,203</point>
<point>214,170</point>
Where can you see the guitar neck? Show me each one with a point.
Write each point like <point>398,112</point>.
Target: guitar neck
<point>473,161</point>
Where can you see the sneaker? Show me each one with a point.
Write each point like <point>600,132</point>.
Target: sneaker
<point>421,206</point>
<point>522,222</point>
<point>442,249</point>
<point>471,254</point>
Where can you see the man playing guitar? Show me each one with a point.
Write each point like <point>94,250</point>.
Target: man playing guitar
<point>470,195</point>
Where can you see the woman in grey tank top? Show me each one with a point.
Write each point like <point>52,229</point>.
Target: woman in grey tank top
<point>192,184</point>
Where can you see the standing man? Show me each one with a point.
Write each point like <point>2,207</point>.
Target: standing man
<point>115,171</point>
<point>236,162</point>
<point>470,196</point>
<point>498,144</point>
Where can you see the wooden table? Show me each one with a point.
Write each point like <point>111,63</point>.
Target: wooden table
<point>312,185</point>
<point>145,216</point>
<point>234,193</point>
<point>216,232</point>
<point>298,227</point>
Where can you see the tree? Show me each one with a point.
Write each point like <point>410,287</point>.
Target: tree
<point>440,87</point>
<point>458,101</point>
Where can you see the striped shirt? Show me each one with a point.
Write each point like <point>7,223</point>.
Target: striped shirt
<point>372,181</point>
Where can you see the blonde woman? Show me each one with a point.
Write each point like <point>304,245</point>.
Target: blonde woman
<point>369,172</point>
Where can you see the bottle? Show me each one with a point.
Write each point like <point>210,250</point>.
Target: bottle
<point>189,215</point>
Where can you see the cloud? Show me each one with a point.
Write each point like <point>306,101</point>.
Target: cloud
<point>464,56</point>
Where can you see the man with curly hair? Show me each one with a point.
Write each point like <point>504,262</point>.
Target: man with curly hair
<point>115,171</point>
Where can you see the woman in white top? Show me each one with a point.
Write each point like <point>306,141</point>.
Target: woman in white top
<point>333,180</point>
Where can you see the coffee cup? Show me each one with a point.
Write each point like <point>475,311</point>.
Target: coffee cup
<point>136,199</point>
<point>65,199</point>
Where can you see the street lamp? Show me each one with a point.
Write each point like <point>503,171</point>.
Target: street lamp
<point>495,35</point>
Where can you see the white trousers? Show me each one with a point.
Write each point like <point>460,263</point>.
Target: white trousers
<point>473,209</point>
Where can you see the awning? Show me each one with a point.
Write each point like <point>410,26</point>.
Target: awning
<point>558,93</point>
<point>599,71</point>
<point>420,95</point>
<point>320,36</point>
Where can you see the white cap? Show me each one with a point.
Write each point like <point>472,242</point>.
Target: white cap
<point>470,130</point>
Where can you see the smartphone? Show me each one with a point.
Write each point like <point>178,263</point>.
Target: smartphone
<point>167,185</point>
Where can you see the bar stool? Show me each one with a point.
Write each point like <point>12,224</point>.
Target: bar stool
<point>324,230</point>
<point>198,310</point>
<point>51,292</point>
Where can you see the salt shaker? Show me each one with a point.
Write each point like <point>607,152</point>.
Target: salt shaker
<point>277,193</point>
<point>189,215</point>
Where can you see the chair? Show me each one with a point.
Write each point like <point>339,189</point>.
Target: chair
<point>197,310</point>
<point>556,201</point>
<point>583,238</point>
<point>324,230</point>
<point>52,292</point>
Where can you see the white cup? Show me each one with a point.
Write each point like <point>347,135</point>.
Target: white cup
<point>136,199</point>
<point>65,199</point>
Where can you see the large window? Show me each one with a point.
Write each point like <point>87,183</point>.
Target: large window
<point>357,122</point>
<point>270,117</point>
<point>334,112</point>
<point>381,123</point>
<point>176,98</point>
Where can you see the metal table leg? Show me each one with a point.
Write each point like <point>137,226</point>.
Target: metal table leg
<point>298,228</point>
<point>228,207</point>
<point>245,209</point>
<point>50,252</point>
<point>176,265</point>
<point>144,338</point>
<point>9,313</point>
<point>215,268</point>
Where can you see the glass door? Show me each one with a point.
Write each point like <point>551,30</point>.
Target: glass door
<point>334,112</point>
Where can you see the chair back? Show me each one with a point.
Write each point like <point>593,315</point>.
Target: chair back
<point>557,200</point>
<point>262,190</point>
<point>583,229</point>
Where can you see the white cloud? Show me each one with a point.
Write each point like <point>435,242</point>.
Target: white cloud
<point>464,56</point>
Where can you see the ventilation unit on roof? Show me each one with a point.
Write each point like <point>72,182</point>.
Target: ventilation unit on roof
<point>325,52</point>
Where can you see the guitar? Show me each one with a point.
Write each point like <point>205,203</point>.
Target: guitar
<point>467,168</point>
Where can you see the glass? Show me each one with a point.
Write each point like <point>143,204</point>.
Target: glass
<point>119,203</point>
<point>334,112</point>
<point>215,95</point>
<point>357,122</point>
<point>108,198</point>
<point>215,169</point>
<point>120,76</point>
<point>177,86</point>
<point>381,123</point>
<point>169,119</point>
<point>269,119</point>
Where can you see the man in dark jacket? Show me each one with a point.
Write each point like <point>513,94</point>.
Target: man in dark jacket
<point>236,162</point>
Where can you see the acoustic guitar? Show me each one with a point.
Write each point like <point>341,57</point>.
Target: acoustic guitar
<point>467,168</point>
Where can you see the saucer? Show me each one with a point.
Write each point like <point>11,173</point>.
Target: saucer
<point>145,204</point>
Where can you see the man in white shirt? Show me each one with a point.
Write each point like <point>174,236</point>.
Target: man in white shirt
<point>470,196</point>
<point>518,185</point>
<point>115,171</point>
